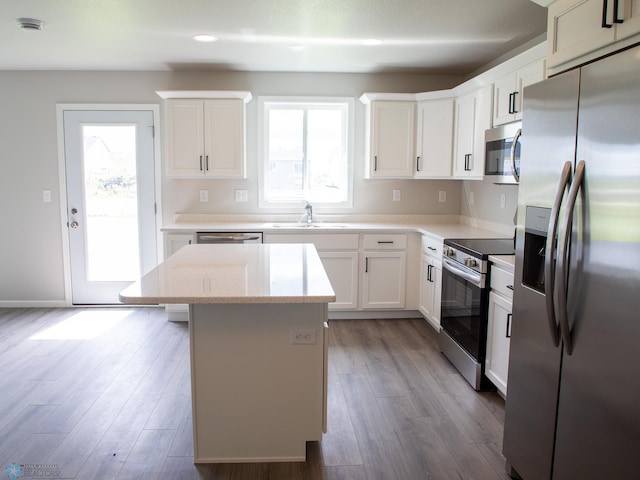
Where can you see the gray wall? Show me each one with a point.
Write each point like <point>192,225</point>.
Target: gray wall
<point>31,262</point>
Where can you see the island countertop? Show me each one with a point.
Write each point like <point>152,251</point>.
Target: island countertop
<point>245,273</point>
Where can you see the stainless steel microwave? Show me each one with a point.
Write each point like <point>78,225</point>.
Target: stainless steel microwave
<point>502,154</point>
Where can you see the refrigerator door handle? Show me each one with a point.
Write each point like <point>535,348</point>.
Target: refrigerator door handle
<point>514,144</point>
<point>563,257</point>
<point>549,265</point>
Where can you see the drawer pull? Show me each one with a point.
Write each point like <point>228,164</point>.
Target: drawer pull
<point>510,287</point>
<point>432,248</point>
<point>385,241</point>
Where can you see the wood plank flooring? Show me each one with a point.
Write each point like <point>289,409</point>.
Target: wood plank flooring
<point>115,404</point>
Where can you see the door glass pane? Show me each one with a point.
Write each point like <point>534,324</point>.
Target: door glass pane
<point>109,164</point>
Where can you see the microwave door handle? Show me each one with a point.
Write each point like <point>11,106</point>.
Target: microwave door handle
<point>514,144</point>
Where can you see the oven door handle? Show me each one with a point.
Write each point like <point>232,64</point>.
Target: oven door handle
<point>469,277</point>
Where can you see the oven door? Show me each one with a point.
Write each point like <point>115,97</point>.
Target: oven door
<point>464,307</point>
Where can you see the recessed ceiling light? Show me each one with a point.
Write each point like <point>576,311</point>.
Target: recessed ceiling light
<point>372,42</point>
<point>30,24</point>
<point>203,37</point>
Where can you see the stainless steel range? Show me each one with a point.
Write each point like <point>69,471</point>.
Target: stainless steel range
<point>465,303</point>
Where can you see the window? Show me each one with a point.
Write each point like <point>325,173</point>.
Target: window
<point>306,151</point>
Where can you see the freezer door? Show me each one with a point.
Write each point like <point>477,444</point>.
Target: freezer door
<point>548,142</point>
<point>598,431</point>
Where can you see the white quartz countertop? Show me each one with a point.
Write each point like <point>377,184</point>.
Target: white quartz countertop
<point>507,262</point>
<point>428,225</point>
<point>244,273</point>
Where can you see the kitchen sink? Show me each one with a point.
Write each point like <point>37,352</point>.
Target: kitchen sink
<point>307,225</point>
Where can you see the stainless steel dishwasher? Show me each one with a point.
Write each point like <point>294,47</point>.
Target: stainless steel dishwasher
<point>228,237</point>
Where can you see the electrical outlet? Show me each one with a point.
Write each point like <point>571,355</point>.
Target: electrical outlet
<point>396,195</point>
<point>46,196</point>
<point>442,196</point>
<point>303,336</point>
<point>241,196</point>
<point>204,195</point>
<point>503,200</point>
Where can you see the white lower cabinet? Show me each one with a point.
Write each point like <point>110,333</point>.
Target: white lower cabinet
<point>342,270</point>
<point>339,256</point>
<point>431,290</point>
<point>499,328</point>
<point>431,280</point>
<point>383,265</point>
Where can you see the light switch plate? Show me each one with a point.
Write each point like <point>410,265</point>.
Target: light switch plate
<point>242,196</point>
<point>442,196</point>
<point>204,195</point>
<point>396,195</point>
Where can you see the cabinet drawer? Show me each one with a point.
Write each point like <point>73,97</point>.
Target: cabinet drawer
<point>381,241</point>
<point>432,246</point>
<point>321,241</point>
<point>502,282</point>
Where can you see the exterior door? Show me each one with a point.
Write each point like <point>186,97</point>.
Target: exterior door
<point>109,164</point>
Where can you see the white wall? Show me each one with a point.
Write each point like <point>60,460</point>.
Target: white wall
<point>31,267</point>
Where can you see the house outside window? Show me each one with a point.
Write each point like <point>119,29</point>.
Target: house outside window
<point>306,151</point>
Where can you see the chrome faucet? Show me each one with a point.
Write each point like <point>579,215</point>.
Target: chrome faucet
<point>309,210</point>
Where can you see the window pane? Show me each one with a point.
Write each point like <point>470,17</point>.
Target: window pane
<point>307,152</point>
<point>111,202</point>
<point>326,154</point>
<point>286,153</point>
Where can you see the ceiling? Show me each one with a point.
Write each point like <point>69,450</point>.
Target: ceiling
<point>435,36</point>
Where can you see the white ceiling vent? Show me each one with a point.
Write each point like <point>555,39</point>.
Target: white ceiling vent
<point>30,24</point>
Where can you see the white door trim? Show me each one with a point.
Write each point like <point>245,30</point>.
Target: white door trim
<point>62,178</point>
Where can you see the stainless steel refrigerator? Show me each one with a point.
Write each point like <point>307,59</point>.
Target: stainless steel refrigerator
<point>573,399</point>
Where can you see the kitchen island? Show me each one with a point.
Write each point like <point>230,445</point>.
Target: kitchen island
<point>258,346</point>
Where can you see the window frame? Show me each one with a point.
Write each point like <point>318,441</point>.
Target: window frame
<point>263,167</point>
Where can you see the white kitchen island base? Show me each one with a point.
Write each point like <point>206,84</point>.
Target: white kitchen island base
<point>257,397</point>
<point>257,327</point>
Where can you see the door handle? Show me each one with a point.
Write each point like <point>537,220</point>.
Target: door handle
<point>563,257</point>
<point>549,266</point>
<point>514,144</point>
<point>74,224</point>
<point>605,7</point>
<point>616,19</point>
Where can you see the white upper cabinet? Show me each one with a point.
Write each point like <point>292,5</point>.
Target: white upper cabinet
<point>390,139</point>
<point>205,136</point>
<point>508,91</point>
<point>473,117</point>
<point>577,27</point>
<point>434,139</point>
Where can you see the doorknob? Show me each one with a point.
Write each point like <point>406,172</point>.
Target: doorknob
<point>74,224</point>
<point>74,211</point>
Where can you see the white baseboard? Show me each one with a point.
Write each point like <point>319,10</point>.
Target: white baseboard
<point>33,304</point>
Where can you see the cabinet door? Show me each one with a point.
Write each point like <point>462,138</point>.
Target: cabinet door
<point>342,270</point>
<point>473,118</point>
<point>434,139</point>
<point>184,137</point>
<point>431,290</point>
<point>224,138</point>
<point>465,117</point>
<point>498,342</point>
<point>392,139</point>
<point>383,279</point>
<point>630,14</point>
<point>575,28</point>
<point>532,73</point>
<point>504,89</point>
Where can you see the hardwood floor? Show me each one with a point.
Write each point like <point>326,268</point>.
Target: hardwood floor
<point>115,403</point>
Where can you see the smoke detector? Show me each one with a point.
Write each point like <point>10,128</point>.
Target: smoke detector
<point>30,24</point>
